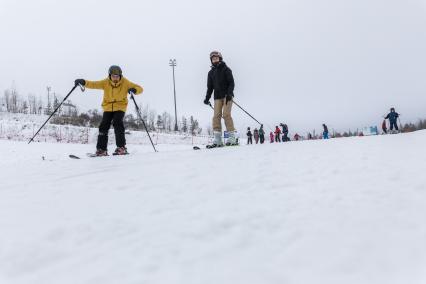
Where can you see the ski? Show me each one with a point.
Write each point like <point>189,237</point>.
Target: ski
<point>214,147</point>
<point>73,157</point>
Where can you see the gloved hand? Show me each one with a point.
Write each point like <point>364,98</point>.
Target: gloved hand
<point>131,91</point>
<point>229,98</point>
<point>80,82</point>
<point>207,101</point>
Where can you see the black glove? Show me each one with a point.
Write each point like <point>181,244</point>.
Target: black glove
<point>80,82</point>
<point>207,101</point>
<point>229,98</point>
<point>131,91</point>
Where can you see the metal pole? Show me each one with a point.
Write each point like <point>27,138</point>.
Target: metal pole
<point>172,63</point>
<point>143,122</point>
<point>72,90</point>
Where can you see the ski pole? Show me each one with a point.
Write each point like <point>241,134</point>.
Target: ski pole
<point>246,112</point>
<point>143,122</point>
<point>210,104</point>
<point>400,124</point>
<point>72,90</point>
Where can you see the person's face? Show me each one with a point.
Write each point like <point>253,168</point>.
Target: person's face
<point>215,59</point>
<point>115,78</point>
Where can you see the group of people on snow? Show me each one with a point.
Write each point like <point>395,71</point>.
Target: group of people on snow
<point>278,135</point>
<point>220,82</point>
<point>116,88</point>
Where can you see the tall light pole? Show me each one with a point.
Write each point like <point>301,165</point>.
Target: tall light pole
<point>172,63</point>
<point>48,99</point>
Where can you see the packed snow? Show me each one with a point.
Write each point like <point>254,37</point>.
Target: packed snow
<point>348,210</point>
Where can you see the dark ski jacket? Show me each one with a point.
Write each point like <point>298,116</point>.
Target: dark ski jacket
<point>392,116</point>
<point>261,132</point>
<point>221,81</point>
<point>325,128</point>
<point>285,128</point>
<point>249,133</point>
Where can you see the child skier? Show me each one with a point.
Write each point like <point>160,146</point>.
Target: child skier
<point>271,136</point>
<point>249,136</point>
<point>256,135</point>
<point>384,127</point>
<point>115,87</point>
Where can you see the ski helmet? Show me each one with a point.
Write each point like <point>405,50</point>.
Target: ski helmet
<point>115,70</point>
<point>216,53</point>
<point>392,109</point>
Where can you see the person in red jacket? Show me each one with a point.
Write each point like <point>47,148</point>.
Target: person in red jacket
<point>277,134</point>
<point>384,128</point>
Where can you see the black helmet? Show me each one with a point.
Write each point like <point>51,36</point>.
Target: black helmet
<point>216,53</point>
<point>115,70</point>
<point>392,109</point>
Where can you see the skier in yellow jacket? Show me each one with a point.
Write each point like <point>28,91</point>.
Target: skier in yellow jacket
<point>115,87</point>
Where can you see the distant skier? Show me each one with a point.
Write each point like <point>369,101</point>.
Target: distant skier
<point>249,136</point>
<point>285,132</point>
<point>325,132</point>
<point>277,134</point>
<point>256,135</point>
<point>393,117</point>
<point>271,137</point>
<point>261,134</point>
<point>384,127</point>
<point>296,137</point>
<point>221,81</point>
<point>115,87</point>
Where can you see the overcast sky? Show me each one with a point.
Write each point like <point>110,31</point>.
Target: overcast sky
<point>303,62</point>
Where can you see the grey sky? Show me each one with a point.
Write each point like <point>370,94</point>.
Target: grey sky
<point>303,62</point>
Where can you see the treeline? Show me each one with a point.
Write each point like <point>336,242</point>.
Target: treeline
<point>11,101</point>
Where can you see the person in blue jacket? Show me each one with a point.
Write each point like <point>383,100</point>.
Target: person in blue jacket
<point>393,117</point>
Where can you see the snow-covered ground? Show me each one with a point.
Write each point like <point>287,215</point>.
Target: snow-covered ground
<point>338,211</point>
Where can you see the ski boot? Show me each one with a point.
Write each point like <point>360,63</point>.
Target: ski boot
<point>232,140</point>
<point>120,151</point>
<point>101,153</point>
<point>217,142</point>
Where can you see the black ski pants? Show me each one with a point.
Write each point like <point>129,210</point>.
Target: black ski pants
<point>393,124</point>
<point>116,117</point>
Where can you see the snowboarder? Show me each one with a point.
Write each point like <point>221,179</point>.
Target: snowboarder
<point>221,81</point>
<point>249,136</point>
<point>384,127</point>
<point>393,117</point>
<point>325,132</point>
<point>261,134</point>
<point>271,136</point>
<point>115,87</point>
<point>256,135</point>
<point>277,134</point>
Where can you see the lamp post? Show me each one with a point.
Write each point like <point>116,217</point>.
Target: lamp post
<point>172,63</point>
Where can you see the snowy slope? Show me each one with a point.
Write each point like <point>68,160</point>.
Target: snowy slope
<point>339,211</point>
